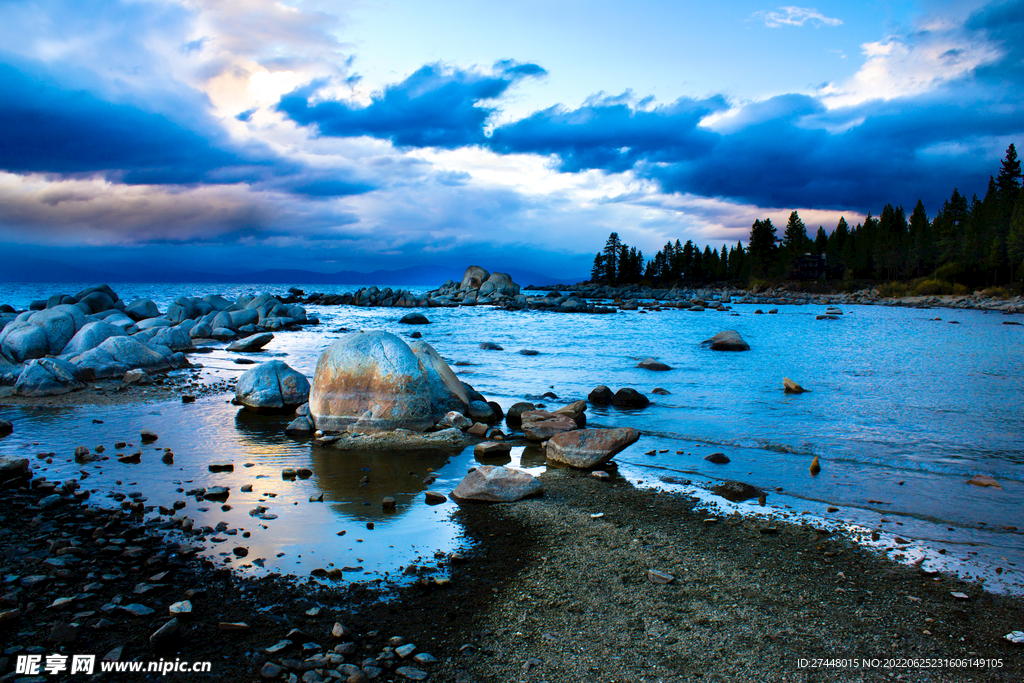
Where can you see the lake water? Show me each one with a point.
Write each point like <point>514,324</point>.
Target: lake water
<point>903,410</point>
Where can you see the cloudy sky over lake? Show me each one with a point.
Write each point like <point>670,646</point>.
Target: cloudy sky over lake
<point>222,134</point>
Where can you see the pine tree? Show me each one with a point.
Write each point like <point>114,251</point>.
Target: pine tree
<point>1015,240</point>
<point>794,240</point>
<point>761,247</point>
<point>820,241</point>
<point>1009,182</point>
<point>611,256</point>
<point>922,246</point>
<point>597,273</point>
<point>834,259</point>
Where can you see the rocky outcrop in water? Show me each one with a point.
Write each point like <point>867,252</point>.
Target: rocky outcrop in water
<point>97,336</point>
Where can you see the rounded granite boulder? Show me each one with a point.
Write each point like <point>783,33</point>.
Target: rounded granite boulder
<point>272,387</point>
<point>370,382</point>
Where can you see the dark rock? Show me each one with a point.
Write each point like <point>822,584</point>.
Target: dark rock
<point>491,346</point>
<point>600,396</point>
<point>718,458</point>
<point>514,417</point>
<point>629,398</point>
<point>728,340</point>
<point>651,364</point>
<point>737,491</point>
<point>414,319</point>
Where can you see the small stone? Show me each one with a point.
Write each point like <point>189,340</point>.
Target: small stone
<point>389,503</point>
<point>340,631</point>
<point>405,650</point>
<point>960,596</point>
<point>601,475</point>
<point>833,509</point>
<point>412,673</point>
<point>319,498</point>
<point>1015,637</point>
<point>165,632</point>
<point>718,458</point>
<point>232,626</point>
<point>270,670</point>
<point>148,435</point>
<point>659,577</point>
<point>435,498</point>
<point>240,551</point>
<point>180,609</point>
<point>137,610</point>
<point>221,467</point>
<point>984,480</point>
<point>424,658</point>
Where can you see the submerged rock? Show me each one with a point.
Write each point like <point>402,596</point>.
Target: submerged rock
<point>984,480</point>
<point>588,448</point>
<point>791,387</point>
<point>496,484</point>
<point>600,396</point>
<point>727,340</point>
<point>629,398</point>
<point>651,364</point>
<point>737,491</point>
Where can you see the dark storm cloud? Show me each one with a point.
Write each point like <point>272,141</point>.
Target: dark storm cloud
<point>48,128</point>
<point>609,134</point>
<point>434,107</point>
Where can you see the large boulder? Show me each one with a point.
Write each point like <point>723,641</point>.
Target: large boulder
<point>272,387</point>
<point>499,284</point>
<point>92,335</point>
<point>23,341</point>
<point>474,277</point>
<point>142,309</point>
<point>447,392</point>
<point>116,356</point>
<point>371,382</point>
<point>59,324</point>
<point>496,484</point>
<point>47,377</point>
<point>727,340</point>
<point>174,338</point>
<point>589,448</point>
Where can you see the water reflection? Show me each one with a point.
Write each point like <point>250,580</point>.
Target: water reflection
<point>358,481</point>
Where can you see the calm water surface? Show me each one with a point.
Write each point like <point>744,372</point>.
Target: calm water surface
<point>902,411</point>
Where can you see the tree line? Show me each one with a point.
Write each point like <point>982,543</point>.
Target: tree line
<point>976,242</point>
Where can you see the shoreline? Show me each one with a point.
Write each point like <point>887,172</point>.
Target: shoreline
<point>570,599</point>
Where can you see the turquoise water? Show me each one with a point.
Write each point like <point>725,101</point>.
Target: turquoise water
<point>902,411</point>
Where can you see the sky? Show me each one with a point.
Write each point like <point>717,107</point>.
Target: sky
<point>222,135</point>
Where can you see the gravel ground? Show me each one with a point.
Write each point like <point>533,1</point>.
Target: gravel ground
<point>545,592</point>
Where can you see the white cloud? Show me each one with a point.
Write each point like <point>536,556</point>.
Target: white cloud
<point>904,66</point>
<point>794,16</point>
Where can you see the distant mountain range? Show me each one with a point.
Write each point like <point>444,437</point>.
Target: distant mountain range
<point>23,268</point>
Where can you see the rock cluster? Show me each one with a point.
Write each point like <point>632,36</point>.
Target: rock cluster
<point>64,341</point>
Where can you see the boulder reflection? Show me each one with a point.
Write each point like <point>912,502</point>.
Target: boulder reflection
<point>339,475</point>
